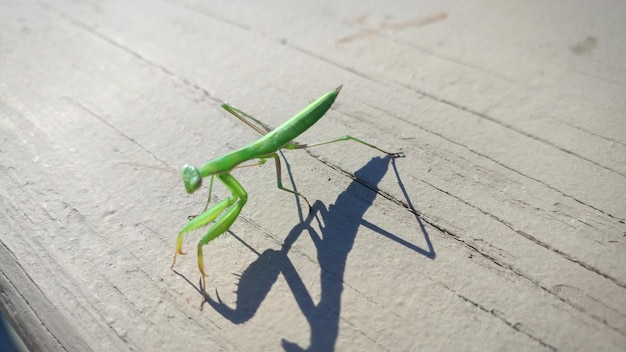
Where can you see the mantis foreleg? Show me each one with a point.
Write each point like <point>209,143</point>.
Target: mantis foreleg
<point>201,220</point>
<point>239,198</point>
<point>230,207</point>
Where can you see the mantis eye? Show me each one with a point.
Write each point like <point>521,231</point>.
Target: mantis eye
<point>191,178</point>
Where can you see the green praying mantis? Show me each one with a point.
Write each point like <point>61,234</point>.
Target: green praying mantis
<point>264,148</point>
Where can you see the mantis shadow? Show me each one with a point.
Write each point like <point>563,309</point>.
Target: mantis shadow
<point>333,242</point>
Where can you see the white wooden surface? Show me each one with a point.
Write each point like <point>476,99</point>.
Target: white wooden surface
<point>511,115</point>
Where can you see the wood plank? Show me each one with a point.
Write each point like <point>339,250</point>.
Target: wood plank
<point>502,228</point>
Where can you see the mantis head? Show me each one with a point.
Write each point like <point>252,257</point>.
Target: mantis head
<point>191,178</point>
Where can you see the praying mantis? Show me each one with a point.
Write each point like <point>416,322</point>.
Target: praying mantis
<point>264,148</point>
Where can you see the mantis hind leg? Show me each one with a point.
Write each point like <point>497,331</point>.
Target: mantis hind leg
<point>279,181</point>
<point>249,120</point>
<point>295,145</point>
